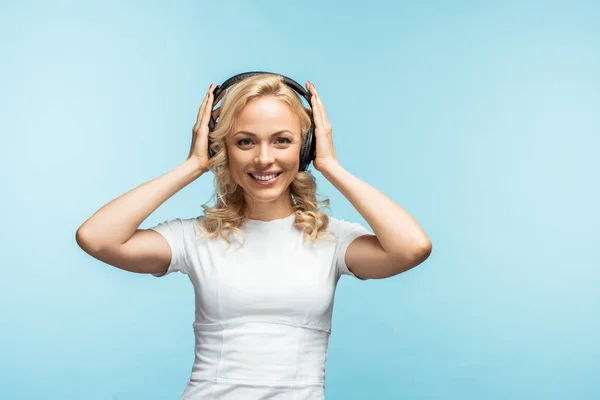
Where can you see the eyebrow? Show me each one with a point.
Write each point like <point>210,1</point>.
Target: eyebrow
<point>254,134</point>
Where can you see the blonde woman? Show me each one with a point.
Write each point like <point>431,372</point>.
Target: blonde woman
<point>265,260</point>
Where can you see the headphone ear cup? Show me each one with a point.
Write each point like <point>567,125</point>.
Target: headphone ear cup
<point>211,128</point>
<point>308,149</point>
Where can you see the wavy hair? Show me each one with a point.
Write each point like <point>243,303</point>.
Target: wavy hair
<point>231,209</point>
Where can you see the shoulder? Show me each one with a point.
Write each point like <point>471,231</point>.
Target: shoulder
<point>188,227</point>
<point>340,227</point>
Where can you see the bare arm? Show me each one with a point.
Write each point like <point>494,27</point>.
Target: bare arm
<point>399,243</point>
<point>116,222</point>
<point>111,234</point>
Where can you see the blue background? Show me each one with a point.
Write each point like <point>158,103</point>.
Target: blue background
<point>481,119</point>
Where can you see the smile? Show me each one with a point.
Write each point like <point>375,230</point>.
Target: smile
<point>265,180</point>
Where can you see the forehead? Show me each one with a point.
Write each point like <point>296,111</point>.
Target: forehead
<point>267,113</point>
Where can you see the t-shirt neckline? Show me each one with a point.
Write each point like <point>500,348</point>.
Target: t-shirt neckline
<point>283,220</point>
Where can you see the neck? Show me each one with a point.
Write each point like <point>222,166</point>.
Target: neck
<point>268,211</point>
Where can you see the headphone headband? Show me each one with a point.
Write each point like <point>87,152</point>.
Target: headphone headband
<point>240,77</point>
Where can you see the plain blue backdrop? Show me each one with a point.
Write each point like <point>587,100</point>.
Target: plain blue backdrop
<point>480,118</point>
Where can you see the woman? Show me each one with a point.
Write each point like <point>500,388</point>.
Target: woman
<point>265,261</point>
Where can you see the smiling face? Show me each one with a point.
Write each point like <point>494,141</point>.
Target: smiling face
<point>265,141</point>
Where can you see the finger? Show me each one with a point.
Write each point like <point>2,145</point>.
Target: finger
<point>322,111</point>
<point>316,106</point>
<point>201,111</point>
<point>313,101</point>
<point>207,109</point>
<point>320,106</point>
<point>310,88</point>
<point>203,107</point>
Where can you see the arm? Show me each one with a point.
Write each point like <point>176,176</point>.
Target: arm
<point>112,235</point>
<point>399,243</point>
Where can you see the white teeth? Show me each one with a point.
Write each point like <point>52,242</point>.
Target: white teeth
<point>264,178</point>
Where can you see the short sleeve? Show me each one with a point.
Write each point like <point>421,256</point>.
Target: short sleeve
<point>345,233</point>
<point>180,234</point>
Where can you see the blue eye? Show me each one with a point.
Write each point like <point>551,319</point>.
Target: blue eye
<point>243,140</point>
<point>286,139</point>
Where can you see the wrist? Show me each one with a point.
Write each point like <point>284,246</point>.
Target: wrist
<point>192,166</point>
<point>330,166</point>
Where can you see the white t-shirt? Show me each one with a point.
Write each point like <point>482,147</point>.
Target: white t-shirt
<point>263,311</point>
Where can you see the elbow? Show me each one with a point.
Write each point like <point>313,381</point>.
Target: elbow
<point>413,258</point>
<point>427,247</point>
<point>424,250</point>
<point>84,242</point>
<point>81,241</point>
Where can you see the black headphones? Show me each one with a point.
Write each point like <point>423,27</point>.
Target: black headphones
<point>308,147</point>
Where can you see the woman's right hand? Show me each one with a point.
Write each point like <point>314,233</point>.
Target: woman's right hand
<point>200,131</point>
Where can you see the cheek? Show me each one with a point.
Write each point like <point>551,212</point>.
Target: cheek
<point>291,157</point>
<point>236,166</point>
<point>237,158</point>
<point>296,158</point>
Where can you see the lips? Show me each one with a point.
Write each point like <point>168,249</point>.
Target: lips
<point>265,173</point>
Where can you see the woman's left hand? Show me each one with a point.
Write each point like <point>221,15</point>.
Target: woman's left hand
<point>324,147</point>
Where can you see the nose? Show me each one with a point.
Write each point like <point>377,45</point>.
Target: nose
<point>263,157</point>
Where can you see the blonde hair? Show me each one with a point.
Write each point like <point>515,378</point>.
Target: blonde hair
<point>231,209</point>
